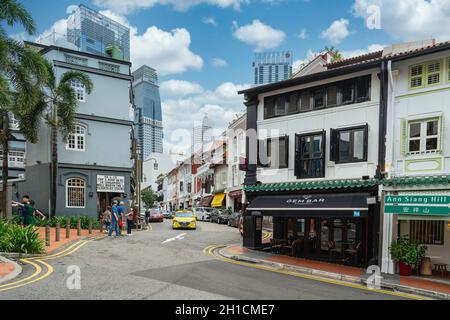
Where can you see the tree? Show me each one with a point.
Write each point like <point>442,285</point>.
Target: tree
<point>336,54</point>
<point>62,104</point>
<point>22,74</point>
<point>148,198</point>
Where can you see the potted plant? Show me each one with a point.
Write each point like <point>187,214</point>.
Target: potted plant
<point>407,253</point>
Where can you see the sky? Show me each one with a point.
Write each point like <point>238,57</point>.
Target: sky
<point>203,49</point>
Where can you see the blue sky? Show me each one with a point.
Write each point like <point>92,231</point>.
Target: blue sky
<point>181,39</point>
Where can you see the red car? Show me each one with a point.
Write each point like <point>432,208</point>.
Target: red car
<point>156,216</point>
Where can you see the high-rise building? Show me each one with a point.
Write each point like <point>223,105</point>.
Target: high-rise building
<point>95,33</point>
<point>201,136</point>
<point>270,67</point>
<point>148,117</point>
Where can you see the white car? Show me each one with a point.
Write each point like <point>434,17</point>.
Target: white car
<point>202,214</point>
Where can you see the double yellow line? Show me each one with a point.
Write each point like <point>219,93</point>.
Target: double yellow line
<point>267,235</point>
<point>39,264</point>
<point>210,251</point>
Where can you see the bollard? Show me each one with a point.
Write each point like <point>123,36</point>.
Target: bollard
<point>47,235</point>
<point>101,227</point>
<point>90,226</point>
<point>68,229</point>
<point>58,232</point>
<point>79,227</point>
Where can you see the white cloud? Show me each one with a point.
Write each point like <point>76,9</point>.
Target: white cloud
<point>298,64</point>
<point>210,21</point>
<point>219,63</point>
<point>181,114</point>
<point>303,35</point>
<point>179,88</point>
<point>129,6</point>
<point>57,31</point>
<point>410,20</point>
<point>259,34</point>
<point>337,31</point>
<point>358,52</point>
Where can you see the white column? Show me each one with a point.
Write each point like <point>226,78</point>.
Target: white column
<point>387,264</point>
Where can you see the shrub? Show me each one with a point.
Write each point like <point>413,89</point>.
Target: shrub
<point>407,251</point>
<point>15,238</point>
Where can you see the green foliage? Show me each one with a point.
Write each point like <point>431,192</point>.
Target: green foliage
<point>407,251</point>
<point>15,238</point>
<point>148,198</point>
<point>73,222</point>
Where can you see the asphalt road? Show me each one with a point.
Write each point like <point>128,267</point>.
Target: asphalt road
<point>155,265</point>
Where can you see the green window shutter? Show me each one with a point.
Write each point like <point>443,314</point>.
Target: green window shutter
<point>403,137</point>
<point>442,133</point>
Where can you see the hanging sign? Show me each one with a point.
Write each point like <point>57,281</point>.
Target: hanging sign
<point>114,184</point>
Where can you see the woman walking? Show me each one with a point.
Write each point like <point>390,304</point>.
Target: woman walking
<point>131,216</point>
<point>106,219</point>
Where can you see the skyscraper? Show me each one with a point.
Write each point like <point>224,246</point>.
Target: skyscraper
<point>148,117</point>
<point>95,33</point>
<point>272,67</point>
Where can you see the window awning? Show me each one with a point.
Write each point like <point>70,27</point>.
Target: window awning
<point>326,205</point>
<point>218,200</point>
<point>206,201</point>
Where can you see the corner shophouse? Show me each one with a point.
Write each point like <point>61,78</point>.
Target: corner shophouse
<point>318,136</point>
<point>94,166</point>
<point>417,193</point>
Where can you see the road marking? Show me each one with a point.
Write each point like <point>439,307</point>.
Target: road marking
<point>210,251</point>
<point>179,237</point>
<point>39,262</point>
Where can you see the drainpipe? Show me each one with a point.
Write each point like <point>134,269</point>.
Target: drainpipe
<point>387,265</point>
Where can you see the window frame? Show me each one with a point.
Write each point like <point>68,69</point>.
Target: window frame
<point>425,74</point>
<point>410,76</point>
<point>76,135</point>
<point>440,72</point>
<point>448,70</point>
<point>309,94</point>
<point>84,188</point>
<point>423,138</point>
<point>352,131</point>
<point>299,159</point>
<point>267,155</point>
<point>419,230</point>
<point>80,90</point>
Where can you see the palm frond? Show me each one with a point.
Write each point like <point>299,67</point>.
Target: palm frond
<point>13,12</point>
<point>67,107</point>
<point>70,76</point>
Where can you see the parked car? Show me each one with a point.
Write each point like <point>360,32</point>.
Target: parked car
<point>202,214</point>
<point>156,216</point>
<point>219,216</point>
<point>233,220</point>
<point>167,214</point>
<point>184,219</point>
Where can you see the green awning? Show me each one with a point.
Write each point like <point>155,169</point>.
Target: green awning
<point>417,181</point>
<point>312,185</point>
<point>428,218</point>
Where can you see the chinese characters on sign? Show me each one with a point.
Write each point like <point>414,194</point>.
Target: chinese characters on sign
<point>110,184</point>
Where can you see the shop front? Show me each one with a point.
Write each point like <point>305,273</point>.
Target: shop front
<point>420,215</point>
<point>235,200</point>
<point>333,227</point>
<point>218,201</point>
<point>206,201</point>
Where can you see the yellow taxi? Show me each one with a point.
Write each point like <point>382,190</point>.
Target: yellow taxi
<point>184,219</point>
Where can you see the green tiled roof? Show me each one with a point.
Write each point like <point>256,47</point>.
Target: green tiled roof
<point>312,185</point>
<point>420,180</point>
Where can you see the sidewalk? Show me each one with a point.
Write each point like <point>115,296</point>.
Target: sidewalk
<point>337,272</point>
<point>8,269</point>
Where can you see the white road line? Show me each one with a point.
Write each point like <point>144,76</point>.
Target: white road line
<point>179,237</point>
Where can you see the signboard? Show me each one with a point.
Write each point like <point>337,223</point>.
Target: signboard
<point>418,205</point>
<point>114,184</point>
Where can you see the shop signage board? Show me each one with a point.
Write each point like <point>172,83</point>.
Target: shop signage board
<point>114,184</point>
<point>418,205</point>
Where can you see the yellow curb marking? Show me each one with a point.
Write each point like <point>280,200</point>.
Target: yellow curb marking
<point>38,269</point>
<point>210,251</point>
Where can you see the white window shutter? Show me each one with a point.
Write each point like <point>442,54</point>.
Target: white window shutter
<point>403,137</point>
<point>442,133</point>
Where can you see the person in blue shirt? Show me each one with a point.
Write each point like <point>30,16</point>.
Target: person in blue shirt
<point>115,218</point>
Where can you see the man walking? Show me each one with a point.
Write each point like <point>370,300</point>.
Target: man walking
<point>115,218</point>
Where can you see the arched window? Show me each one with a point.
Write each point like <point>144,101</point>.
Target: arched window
<point>75,193</point>
<point>77,140</point>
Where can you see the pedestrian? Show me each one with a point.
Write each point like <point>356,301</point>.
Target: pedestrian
<point>116,217</point>
<point>131,216</point>
<point>106,218</point>
<point>37,213</point>
<point>147,216</point>
<point>122,211</point>
<point>22,207</point>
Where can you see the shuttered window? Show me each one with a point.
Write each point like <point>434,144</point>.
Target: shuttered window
<point>427,232</point>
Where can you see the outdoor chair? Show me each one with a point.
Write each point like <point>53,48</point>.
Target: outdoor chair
<point>352,254</point>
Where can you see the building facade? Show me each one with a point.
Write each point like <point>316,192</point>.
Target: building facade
<point>270,67</point>
<point>17,151</point>
<point>416,194</point>
<point>95,164</point>
<point>313,161</point>
<point>236,155</point>
<point>148,113</point>
<point>97,34</point>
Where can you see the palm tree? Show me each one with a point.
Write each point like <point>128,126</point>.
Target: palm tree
<point>60,115</point>
<point>22,73</point>
<point>336,54</point>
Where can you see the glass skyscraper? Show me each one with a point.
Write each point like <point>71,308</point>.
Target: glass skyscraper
<point>270,67</point>
<point>95,33</point>
<point>148,117</point>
